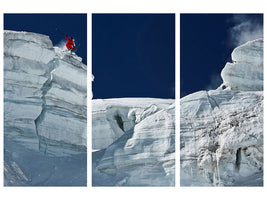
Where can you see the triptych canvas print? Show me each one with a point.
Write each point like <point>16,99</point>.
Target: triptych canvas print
<point>133,100</point>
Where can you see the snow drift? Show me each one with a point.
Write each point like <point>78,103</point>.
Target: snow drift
<point>221,131</point>
<point>45,95</point>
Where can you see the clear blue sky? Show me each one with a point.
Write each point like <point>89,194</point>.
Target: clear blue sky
<point>74,25</point>
<point>133,55</point>
<point>207,41</point>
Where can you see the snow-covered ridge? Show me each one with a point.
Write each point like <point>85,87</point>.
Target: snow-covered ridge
<point>45,95</point>
<point>221,131</point>
<point>133,142</point>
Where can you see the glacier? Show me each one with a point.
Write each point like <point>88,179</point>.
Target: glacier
<point>221,130</point>
<point>45,113</point>
<point>133,141</point>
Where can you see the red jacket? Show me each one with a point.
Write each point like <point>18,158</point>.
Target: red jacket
<point>70,43</point>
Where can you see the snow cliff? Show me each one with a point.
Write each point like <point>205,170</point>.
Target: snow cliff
<point>45,96</point>
<point>221,131</point>
<point>133,142</point>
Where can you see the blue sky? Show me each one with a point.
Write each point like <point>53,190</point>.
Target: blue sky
<point>74,25</point>
<point>206,43</point>
<point>133,55</point>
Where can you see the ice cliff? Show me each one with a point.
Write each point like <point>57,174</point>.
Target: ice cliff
<point>221,131</point>
<point>133,142</point>
<point>45,96</point>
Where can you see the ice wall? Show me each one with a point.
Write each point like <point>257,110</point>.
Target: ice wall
<point>45,95</point>
<point>133,142</point>
<point>221,131</point>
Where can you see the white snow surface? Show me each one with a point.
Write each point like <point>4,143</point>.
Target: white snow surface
<point>45,96</point>
<point>221,131</point>
<point>133,142</point>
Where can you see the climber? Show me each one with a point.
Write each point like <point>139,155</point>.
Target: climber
<point>70,43</point>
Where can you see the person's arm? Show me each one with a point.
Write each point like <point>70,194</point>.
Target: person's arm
<point>67,37</point>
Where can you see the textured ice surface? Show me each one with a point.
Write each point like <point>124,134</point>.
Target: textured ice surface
<point>133,142</point>
<point>45,97</point>
<point>246,72</point>
<point>221,131</point>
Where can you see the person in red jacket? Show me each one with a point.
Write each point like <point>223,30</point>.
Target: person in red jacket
<point>70,43</point>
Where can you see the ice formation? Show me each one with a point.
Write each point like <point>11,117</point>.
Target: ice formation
<point>246,71</point>
<point>133,142</point>
<point>221,131</point>
<point>45,97</point>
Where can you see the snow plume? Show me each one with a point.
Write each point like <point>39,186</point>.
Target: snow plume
<point>246,28</point>
<point>215,82</point>
<point>62,45</point>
